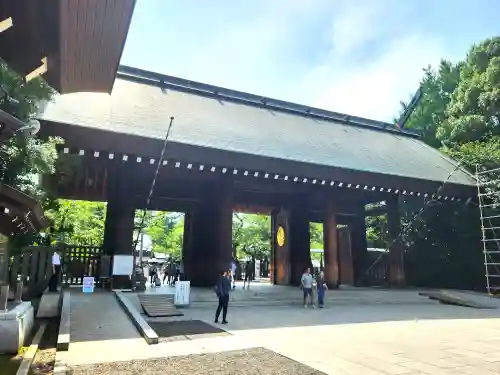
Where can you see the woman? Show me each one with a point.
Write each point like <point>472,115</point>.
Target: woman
<point>321,287</point>
<point>222,289</point>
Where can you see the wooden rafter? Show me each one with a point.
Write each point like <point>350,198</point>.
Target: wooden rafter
<point>6,24</point>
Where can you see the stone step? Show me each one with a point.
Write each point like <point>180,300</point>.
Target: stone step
<point>49,305</point>
<point>298,301</point>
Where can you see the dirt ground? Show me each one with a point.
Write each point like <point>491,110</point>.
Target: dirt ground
<point>46,354</point>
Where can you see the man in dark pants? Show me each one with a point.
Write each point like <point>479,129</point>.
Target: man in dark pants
<point>56,272</point>
<point>222,289</point>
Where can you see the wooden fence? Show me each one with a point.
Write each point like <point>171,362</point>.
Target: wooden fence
<point>377,272</point>
<point>34,267</point>
<point>78,262</point>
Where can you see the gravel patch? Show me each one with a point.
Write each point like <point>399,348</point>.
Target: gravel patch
<point>185,330</point>
<point>257,361</point>
<point>43,363</point>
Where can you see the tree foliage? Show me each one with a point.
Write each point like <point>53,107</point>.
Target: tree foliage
<point>25,157</point>
<point>459,114</point>
<point>252,236</point>
<point>474,110</point>
<point>77,222</point>
<point>166,231</point>
<point>437,87</point>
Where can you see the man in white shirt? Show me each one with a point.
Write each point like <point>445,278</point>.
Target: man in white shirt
<point>56,272</point>
<point>306,283</point>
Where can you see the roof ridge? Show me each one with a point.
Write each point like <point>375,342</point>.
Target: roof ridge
<point>181,84</point>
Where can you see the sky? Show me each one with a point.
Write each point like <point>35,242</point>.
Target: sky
<point>360,57</point>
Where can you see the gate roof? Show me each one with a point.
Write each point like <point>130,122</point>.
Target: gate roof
<point>213,124</point>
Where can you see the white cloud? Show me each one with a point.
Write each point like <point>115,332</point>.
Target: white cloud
<point>357,57</point>
<point>375,88</point>
<point>372,65</point>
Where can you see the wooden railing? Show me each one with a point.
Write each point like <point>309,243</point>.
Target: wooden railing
<point>377,269</point>
<point>80,261</point>
<point>34,267</point>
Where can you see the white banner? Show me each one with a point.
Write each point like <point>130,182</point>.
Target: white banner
<point>123,265</point>
<point>88,285</point>
<point>257,269</point>
<point>182,292</point>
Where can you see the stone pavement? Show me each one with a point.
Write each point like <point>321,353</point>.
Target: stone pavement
<point>365,339</point>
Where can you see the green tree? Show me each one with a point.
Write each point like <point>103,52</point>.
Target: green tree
<point>166,230</point>
<point>25,157</point>
<point>437,86</point>
<point>77,222</point>
<point>252,235</point>
<point>443,244</point>
<point>376,231</point>
<point>474,110</point>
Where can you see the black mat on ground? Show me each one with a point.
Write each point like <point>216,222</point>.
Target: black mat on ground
<point>156,306</point>
<point>185,329</point>
<point>257,361</point>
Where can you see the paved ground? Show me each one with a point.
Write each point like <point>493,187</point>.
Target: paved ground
<point>366,339</point>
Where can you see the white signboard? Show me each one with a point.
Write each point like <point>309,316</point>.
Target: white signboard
<point>88,285</point>
<point>257,269</point>
<point>182,291</point>
<point>123,265</point>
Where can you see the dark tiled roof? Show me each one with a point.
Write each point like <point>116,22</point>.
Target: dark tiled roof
<point>141,108</point>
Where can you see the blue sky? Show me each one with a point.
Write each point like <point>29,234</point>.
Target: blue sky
<point>359,57</point>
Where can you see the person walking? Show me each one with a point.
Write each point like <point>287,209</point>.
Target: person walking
<point>321,287</point>
<point>171,272</point>
<point>56,272</point>
<point>306,283</point>
<point>249,268</point>
<point>233,273</point>
<point>222,289</point>
<point>152,274</point>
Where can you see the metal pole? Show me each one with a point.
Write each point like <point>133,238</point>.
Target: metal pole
<point>141,250</point>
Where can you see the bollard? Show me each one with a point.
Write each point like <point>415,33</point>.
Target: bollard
<point>4,296</point>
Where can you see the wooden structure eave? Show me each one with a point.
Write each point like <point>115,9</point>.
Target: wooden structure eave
<point>76,45</point>
<point>9,125</point>
<point>104,142</point>
<point>19,213</point>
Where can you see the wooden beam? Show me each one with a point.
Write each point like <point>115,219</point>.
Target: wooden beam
<point>6,24</point>
<point>42,69</point>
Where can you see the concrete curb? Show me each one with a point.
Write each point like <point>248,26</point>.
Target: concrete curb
<point>450,299</point>
<point>30,354</point>
<point>63,337</point>
<point>60,367</point>
<point>140,323</point>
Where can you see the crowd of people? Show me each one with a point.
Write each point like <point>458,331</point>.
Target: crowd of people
<point>166,274</point>
<point>313,287</point>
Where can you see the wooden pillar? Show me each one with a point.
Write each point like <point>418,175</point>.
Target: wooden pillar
<point>211,236</point>
<point>396,247</point>
<point>359,244</point>
<point>187,249</point>
<point>331,252</point>
<point>300,247</point>
<point>119,226</point>
<point>281,247</point>
<point>346,261</point>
